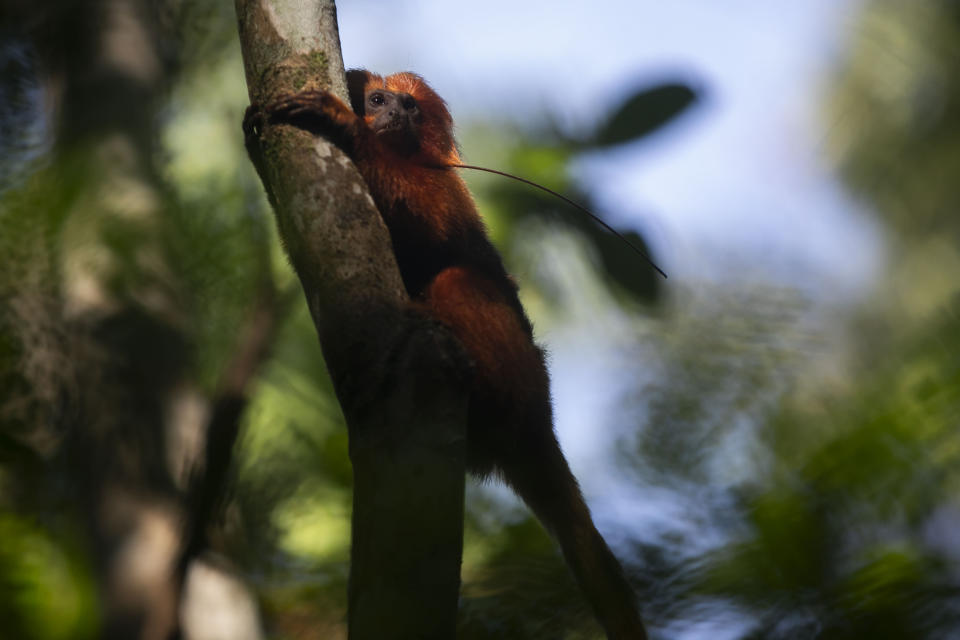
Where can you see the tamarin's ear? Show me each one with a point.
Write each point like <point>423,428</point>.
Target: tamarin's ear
<point>357,81</point>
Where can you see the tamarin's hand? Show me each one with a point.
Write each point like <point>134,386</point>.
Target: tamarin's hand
<point>320,112</point>
<point>400,135</point>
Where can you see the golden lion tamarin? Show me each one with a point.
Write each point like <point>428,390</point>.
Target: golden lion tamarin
<point>399,133</point>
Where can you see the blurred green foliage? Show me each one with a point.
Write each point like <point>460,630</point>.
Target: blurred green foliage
<point>893,116</point>
<point>849,529</point>
<point>47,590</point>
<point>841,539</point>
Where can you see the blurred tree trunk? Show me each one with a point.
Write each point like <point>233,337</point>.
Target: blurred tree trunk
<point>145,451</point>
<point>399,377</point>
<point>131,415</point>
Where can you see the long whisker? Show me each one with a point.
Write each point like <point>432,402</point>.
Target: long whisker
<point>595,217</point>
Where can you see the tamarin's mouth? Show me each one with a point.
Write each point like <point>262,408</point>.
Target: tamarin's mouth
<point>400,135</point>
<point>393,126</point>
<point>399,123</point>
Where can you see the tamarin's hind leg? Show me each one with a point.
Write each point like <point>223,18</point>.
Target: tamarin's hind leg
<point>511,432</point>
<point>510,394</point>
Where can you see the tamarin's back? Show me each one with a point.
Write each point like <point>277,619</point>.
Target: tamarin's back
<point>400,135</point>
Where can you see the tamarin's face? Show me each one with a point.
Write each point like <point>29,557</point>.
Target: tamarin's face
<point>405,113</point>
<point>395,117</point>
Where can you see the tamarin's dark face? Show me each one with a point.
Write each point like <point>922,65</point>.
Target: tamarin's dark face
<point>396,117</point>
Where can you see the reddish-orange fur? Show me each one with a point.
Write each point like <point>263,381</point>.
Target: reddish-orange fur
<point>402,147</point>
<point>489,330</point>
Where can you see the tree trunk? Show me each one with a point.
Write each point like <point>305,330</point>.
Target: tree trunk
<point>400,378</point>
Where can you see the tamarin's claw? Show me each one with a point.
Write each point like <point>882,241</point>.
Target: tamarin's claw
<point>252,123</point>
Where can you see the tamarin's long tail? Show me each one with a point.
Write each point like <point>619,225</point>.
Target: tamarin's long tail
<point>551,491</point>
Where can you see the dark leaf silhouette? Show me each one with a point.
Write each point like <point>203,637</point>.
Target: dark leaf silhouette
<point>644,112</point>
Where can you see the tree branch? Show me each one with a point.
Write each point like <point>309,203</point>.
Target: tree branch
<point>208,483</point>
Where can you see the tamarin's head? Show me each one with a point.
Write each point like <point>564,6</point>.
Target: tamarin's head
<point>405,113</point>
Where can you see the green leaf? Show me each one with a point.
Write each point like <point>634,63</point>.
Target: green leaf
<point>643,113</point>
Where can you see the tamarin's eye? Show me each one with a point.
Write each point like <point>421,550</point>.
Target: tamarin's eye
<point>376,98</point>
